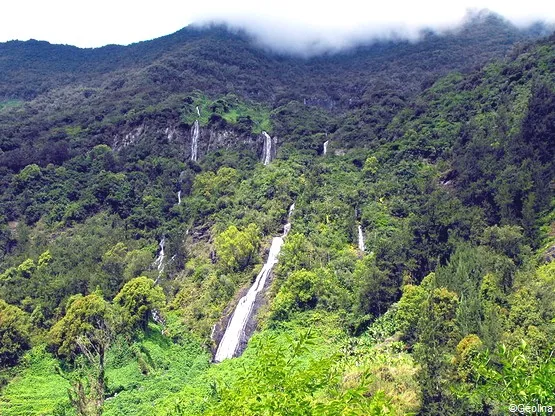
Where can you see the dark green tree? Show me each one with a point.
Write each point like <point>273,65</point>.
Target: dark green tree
<point>14,333</point>
<point>138,299</point>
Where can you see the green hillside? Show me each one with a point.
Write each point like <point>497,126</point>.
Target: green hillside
<point>440,154</point>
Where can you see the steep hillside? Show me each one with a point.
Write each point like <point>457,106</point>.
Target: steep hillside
<point>409,186</point>
<point>100,93</point>
<point>29,69</point>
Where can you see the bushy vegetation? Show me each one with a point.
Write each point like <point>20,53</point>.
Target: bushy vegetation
<point>112,288</point>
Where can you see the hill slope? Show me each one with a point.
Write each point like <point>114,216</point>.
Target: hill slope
<point>121,257</point>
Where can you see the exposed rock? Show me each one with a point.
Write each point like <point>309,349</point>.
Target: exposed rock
<point>549,254</point>
<point>128,138</point>
<point>210,138</point>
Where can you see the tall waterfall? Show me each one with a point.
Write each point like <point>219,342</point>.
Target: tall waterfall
<point>235,331</point>
<point>267,154</point>
<point>178,197</point>
<point>198,111</point>
<point>195,133</point>
<point>159,263</point>
<point>326,146</point>
<point>360,239</point>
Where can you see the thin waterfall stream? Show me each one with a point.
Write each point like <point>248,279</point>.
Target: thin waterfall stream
<point>267,154</point>
<point>195,133</point>
<point>159,262</point>
<point>360,239</point>
<point>235,331</point>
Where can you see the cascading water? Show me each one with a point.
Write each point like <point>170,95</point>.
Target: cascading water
<point>267,154</point>
<point>195,133</point>
<point>198,111</point>
<point>159,263</point>
<point>360,239</point>
<point>178,197</point>
<point>235,331</point>
<point>326,146</point>
<point>291,209</point>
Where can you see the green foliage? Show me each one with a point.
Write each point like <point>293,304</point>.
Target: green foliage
<point>278,385</point>
<point>236,249</point>
<point>41,386</point>
<point>215,185</point>
<point>137,299</point>
<point>437,332</point>
<point>409,311</point>
<point>45,259</point>
<point>38,387</point>
<point>377,288</point>
<point>447,173</point>
<point>247,116</point>
<point>14,334</point>
<point>507,240</point>
<point>510,375</point>
<point>28,174</point>
<point>285,375</point>
<point>300,291</point>
<point>467,350</point>
<point>86,317</point>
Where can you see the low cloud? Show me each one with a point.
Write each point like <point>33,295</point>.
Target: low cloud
<point>307,28</point>
<point>304,27</point>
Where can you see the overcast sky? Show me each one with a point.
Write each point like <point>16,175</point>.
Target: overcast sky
<point>286,24</point>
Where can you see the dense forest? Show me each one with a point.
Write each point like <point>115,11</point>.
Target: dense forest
<point>141,188</point>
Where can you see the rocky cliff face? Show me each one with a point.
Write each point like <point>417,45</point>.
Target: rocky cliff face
<point>211,138</point>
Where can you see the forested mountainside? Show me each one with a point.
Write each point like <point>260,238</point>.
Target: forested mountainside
<point>397,198</point>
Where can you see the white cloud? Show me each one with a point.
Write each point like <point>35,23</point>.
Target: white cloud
<point>286,24</point>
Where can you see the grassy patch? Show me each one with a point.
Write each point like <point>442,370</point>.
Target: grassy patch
<point>9,104</point>
<point>149,371</point>
<point>306,366</point>
<point>139,377</point>
<point>230,108</point>
<point>37,389</point>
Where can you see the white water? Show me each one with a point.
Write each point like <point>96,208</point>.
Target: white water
<point>360,239</point>
<point>326,146</point>
<point>195,132</point>
<point>267,155</point>
<point>291,209</point>
<point>235,330</point>
<point>198,111</point>
<point>178,197</point>
<point>159,262</point>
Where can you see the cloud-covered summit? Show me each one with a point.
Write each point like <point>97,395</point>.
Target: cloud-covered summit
<point>309,30</point>
<point>305,27</point>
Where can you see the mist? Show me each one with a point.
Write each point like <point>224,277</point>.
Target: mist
<point>299,27</point>
<point>306,29</point>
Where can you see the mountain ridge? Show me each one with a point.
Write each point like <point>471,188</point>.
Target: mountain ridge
<point>81,65</point>
<point>415,277</point>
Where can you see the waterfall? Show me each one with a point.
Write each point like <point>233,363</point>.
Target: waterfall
<point>195,132</point>
<point>267,154</point>
<point>159,262</point>
<point>178,197</point>
<point>360,239</point>
<point>326,146</point>
<point>235,331</point>
<point>198,111</point>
